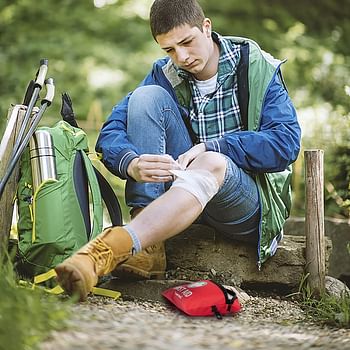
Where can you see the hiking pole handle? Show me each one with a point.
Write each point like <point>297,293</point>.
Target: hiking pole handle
<point>34,90</point>
<point>41,74</point>
<point>26,120</point>
<point>46,102</point>
<point>50,92</point>
<point>36,119</point>
<point>28,93</point>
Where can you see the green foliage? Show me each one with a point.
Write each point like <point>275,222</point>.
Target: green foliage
<point>78,39</point>
<point>328,309</point>
<point>26,315</point>
<point>338,171</point>
<point>334,137</point>
<point>100,54</point>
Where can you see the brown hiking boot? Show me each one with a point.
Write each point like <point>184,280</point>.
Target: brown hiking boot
<point>150,263</point>
<point>78,274</point>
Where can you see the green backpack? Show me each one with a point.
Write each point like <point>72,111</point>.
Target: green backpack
<point>55,219</point>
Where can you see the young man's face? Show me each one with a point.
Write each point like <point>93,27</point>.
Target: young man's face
<point>189,48</point>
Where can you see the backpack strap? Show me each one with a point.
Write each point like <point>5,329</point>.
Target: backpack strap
<point>243,86</point>
<point>110,199</point>
<point>80,180</point>
<point>51,274</point>
<point>96,197</point>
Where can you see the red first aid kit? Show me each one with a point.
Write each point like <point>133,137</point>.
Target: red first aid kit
<point>203,298</point>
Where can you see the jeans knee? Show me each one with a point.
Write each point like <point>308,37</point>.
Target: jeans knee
<point>212,161</point>
<point>149,102</point>
<point>144,95</point>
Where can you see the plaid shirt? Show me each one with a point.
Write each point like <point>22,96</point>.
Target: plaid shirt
<point>217,113</point>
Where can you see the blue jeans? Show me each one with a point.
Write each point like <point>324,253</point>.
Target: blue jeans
<point>155,126</point>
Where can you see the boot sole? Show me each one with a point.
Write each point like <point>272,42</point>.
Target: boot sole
<point>126,271</point>
<point>72,281</point>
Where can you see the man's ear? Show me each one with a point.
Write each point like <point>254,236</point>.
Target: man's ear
<point>207,27</point>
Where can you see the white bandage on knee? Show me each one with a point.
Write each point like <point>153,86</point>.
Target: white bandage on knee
<point>200,183</point>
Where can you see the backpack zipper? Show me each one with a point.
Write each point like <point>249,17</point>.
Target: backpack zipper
<point>28,198</point>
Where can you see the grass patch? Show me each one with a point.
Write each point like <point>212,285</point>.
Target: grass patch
<point>26,315</point>
<point>328,309</point>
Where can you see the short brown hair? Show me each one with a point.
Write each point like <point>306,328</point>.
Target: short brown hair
<point>166,15</point>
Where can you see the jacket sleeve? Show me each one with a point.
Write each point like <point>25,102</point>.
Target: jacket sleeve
<point>113,146</point>
<point>276,143</point>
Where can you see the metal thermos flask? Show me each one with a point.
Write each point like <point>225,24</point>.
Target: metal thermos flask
<point>42,158</point>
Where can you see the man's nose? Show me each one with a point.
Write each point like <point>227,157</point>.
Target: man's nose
<point>182,55</point>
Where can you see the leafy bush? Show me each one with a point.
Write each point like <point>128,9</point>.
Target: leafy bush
<point>26,315</point>
<point>332,135</point>
<point>338,185</point>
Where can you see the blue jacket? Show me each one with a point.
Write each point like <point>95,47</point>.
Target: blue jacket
<point>266,149</point>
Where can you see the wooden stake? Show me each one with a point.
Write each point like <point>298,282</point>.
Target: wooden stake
<point>314,221</point>
<point>14,121</point>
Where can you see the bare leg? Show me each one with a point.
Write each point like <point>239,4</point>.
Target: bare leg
<point>165,217</point>
<point>176,209</point>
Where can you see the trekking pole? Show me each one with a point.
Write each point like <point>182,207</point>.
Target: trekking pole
<point>34,89</point>
<point>29,93</point>
<point>46,102</point>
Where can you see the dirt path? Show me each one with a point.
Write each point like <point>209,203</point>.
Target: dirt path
<point>265,323</point>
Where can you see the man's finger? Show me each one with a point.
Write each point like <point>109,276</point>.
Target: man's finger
<point>161,158</point>
<point>163,178</point>
<point>155,163</point>
<point>156,172</point>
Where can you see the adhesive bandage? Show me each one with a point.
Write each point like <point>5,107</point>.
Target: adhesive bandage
<point>200,183</point>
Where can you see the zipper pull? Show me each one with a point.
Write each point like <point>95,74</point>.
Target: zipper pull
<point>216,312</point>
<point>29,200</point>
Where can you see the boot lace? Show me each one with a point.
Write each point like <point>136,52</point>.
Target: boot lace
<point>101,254</point>
<point>155,248</point>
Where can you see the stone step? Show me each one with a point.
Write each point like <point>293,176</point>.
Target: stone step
<point>200,253</point>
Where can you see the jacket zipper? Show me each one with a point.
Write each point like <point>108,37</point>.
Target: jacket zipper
<point>259,263</point>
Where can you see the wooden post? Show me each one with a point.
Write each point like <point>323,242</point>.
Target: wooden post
<point>314,221</point>
<point>14,120</point>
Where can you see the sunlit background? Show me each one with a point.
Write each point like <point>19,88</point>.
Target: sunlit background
<point>100,50</point>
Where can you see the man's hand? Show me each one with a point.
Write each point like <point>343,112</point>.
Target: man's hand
<point>152,168</point>
<point>186,158</point>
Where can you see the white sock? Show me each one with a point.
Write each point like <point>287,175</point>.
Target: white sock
<point>135,240</point>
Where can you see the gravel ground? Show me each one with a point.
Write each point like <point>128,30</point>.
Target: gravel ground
<point>264,323</point>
